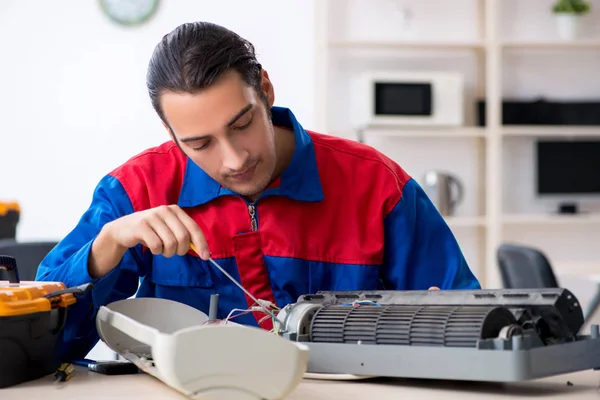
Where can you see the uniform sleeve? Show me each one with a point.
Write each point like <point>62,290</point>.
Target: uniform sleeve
<point>420,249</point>
<point>68,263</point>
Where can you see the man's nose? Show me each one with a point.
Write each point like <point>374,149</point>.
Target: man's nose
<point>234,159</point>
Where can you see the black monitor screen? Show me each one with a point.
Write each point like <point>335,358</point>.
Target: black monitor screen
<point>568,167</point>
<point>398,99</point>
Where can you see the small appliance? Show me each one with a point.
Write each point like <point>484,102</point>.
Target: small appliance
<point>445,191</point>
<point>415,98</point>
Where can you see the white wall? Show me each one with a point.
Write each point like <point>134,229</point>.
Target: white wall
<point>73,98</point>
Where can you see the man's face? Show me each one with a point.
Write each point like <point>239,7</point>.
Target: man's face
<point>227,131</point>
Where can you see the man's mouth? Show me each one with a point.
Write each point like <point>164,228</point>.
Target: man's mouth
<point>245,175</point>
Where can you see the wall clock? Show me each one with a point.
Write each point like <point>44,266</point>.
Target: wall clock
<point>129,12</point>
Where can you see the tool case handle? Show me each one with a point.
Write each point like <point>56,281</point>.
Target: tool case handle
<point>9,264</point>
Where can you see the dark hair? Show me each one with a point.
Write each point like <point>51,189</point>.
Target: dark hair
<point>196,54</point>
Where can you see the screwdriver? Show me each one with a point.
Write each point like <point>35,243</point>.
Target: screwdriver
<point>260,303</point>
<point>64,372</point>
<point>108,367</point>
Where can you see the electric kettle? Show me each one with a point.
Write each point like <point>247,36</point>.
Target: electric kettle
<point>445,191</point>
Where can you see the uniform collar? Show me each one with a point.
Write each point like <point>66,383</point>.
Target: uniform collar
<point>299,181</point>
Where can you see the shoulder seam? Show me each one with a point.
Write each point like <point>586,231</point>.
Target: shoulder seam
<point>120,173</point>
<point>394,174</point>
<point>131,161</point>
<point>152,152</point>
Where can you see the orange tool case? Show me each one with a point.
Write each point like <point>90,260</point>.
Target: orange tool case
<point>32,316</point>
<point>9,219</point>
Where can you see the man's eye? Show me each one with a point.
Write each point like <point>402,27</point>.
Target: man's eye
<point>242,127</point>
<point>203,146</point>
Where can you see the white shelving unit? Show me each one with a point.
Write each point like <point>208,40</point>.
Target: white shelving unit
<point>551,44</point>
<point>466,222</point>
<point>422,45</point>
<point>485,222</point>
<point>552,131</point>
<point>542,219</point>
<point>470,132</point>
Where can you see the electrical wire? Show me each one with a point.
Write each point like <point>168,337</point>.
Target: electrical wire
<point>259,302</point>
<point>249,310</point>
<point>242,312</point>
<point>230,316</point>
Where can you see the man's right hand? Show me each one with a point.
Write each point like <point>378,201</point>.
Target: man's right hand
<point>165,230</point>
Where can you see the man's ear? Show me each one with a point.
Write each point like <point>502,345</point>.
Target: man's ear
<point>267,87</point>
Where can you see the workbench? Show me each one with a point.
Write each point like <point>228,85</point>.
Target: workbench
<point>90,385</point>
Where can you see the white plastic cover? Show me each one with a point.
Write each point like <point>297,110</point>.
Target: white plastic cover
<point>173,342</point>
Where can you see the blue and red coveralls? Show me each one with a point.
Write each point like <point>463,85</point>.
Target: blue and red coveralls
<point>342,216</point>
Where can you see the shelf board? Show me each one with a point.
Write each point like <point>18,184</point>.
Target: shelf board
<point>422,132</point>
<point>545,44</point>
<point>579,269</point>
<point>552,130</point>
<point>400,44</point>
<point>466,222</point>
<point>551,219</point>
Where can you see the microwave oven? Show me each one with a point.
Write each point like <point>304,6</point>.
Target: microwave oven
<point>415,98</point>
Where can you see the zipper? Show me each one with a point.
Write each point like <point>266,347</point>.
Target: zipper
<point>252,212</point>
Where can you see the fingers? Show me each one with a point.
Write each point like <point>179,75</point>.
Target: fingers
<point>434,288</point>
<point>178,229</point>
<point>149,238</point>
<point>168,245</point>
<point>168,230</point>
<point>196,235</point>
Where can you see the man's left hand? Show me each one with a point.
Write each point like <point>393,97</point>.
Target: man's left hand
<point>434,288</point>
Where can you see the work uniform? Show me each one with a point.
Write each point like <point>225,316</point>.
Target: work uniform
<point>342,216</point>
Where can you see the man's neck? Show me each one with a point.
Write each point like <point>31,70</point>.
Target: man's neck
<point>285,144</point>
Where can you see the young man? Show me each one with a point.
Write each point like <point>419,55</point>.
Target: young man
<point>283,210</point>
